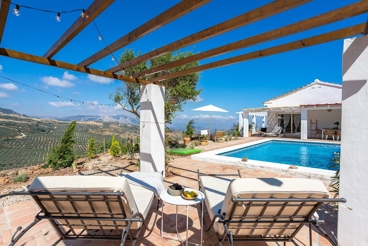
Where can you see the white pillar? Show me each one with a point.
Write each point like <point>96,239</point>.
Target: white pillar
<point>245,124</point>
<point>254,123</point>
<point>241,115</point>
<point>152,129</point>
<point>304,124</point>
<point>263,122</point>
<point>352,224</point>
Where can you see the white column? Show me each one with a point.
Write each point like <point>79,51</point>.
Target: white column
<point>245,124</point>
<point>254,123</point>
<point>152,129</point>
<point>352,228</point>
<point>263,122</point>
<point>304,124</point>
<point>241,115</point>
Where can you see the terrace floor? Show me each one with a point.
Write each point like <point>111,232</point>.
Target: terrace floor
<point>184,170</point>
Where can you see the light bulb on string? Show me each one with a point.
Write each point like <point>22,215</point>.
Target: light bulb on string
<point>123,72</point>
<point>58,17</point>
<point>112,58</point>
<point>16,11</point>
<point>100,37</point>
<point>83,13</point>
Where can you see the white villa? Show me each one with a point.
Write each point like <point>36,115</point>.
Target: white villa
<point>301,112</point>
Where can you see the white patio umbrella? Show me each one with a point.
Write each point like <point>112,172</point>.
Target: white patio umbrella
<point>210,108</point>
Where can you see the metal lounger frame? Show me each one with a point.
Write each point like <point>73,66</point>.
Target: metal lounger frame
<point>262,219</point>
<point>85,234</point>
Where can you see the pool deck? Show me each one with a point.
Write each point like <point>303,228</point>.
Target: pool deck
<point>185,172</point>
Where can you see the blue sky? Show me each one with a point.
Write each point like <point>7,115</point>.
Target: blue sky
<point>243,85</point>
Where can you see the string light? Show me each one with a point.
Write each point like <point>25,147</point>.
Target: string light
<point>100,37</point>
<point>112,58</point>
<point>58,17</point>
<point>16,11</point>
<point>46,92</point>
<point>83,13</point>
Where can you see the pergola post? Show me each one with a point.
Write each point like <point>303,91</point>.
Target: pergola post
<point>352,229</point>
<point>304,124</point>
<point>152,129</point>
<point>245,123</point>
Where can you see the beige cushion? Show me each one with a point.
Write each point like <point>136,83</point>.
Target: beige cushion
<point>143,198</point>
<point>93,184</point>
<point>264,188</point>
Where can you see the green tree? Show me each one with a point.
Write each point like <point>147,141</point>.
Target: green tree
<point>92,148</point>
<point>115,147</point>
<point>177,90</point>
<point>63,154</point>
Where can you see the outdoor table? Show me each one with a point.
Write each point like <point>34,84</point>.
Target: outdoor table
<point>179,201</point>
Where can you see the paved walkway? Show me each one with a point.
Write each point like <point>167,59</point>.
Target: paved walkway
<point>184,170</point>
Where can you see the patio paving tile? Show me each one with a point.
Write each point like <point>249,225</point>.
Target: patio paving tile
<point>185,171</point>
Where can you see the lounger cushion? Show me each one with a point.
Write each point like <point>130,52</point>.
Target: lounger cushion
<point>89,184</point>
<point>214,189</point>
<point>263,188</point>
<point>143,198</point>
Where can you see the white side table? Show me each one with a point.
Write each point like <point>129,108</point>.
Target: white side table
<point>179,201</point>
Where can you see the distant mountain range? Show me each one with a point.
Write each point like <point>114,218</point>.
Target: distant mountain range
<point>121,119</point>
<point>9,111</point>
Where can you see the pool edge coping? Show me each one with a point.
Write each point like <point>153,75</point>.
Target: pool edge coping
<point>307,172</point>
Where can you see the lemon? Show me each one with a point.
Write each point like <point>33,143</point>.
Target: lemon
<point>193,193</point>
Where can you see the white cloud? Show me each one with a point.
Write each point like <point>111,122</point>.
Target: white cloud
<point>100,80</point>
<point>1,67</point>
<point>69,76</point>
<point>16,104</point>
<point>3,95</point>
<point>63,104</point>
<point>9,87</point>
<point>77,93</point>
<point>197,99</point>
<point>52,81</point>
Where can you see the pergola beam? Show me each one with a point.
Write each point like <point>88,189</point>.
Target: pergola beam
<point>324,19</point>
<point>166,17</point>
<point>94,10</point>
<point>242,20</point>
<point>4,10</point>
<point>324,38</point>
<point>59,64</point>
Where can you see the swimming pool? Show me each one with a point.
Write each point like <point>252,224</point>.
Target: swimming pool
<point>304,154</point>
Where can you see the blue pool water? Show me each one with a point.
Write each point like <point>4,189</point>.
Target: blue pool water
<point>316,155</point>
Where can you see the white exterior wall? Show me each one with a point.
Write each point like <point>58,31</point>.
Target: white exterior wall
<point>352,224</point>
<point>317,93</point>
<point>152,129</point>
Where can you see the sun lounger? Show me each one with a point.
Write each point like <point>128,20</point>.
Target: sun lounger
<point>262,209</point>
<point>91,207</point>
<point>218,136</point>
<point>276,131</point>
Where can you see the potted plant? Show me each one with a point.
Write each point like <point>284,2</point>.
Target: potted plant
<point>204,140</point>
<point>189,131</point>
<point>250,130</point>
<point>336,125</point>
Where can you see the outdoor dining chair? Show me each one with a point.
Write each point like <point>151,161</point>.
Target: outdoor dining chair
<point>330,132</point>
<point>262,209</point>
<point>90,207</point>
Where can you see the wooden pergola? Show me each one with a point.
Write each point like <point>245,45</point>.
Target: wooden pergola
<point>177,11</point>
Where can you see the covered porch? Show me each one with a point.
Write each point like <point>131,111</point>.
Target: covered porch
<point>304,122</point>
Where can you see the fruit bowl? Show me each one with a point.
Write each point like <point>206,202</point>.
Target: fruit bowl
<point>175,189</point>
<point>189,195</point>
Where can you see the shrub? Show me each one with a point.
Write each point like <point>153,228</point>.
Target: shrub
<point>63,154</point>
<point>115,149</point>
<point>335,180</point>
<point>92,148</point>
<point>20,178</point>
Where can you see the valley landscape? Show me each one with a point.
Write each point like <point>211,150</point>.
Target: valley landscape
<point>26,141</point>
